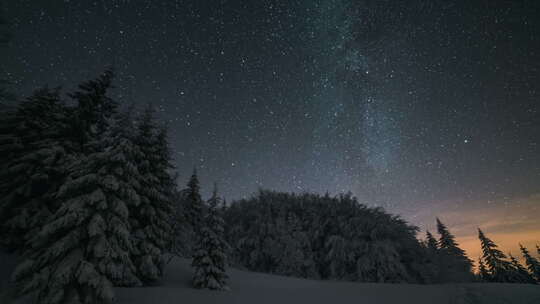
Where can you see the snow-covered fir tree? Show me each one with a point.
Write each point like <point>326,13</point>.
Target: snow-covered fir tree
<point>455,266</point>
<point>193,202</point>
<point>533,265</point>
<point>152,218</point>
<point>209,259</point>
<point>94,110</point>
<point>85,247</point>
<point>33,143</point>
<point>192,214</point>
<point>498,266</point>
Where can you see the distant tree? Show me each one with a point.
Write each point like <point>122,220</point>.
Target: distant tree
<point>483,273</point>
<point>431,242</point>
<point>432,262</point>
<point>455,265</point>
<point>193,201</point>
<point>519,273</point>
<point>499,268</point>
<point>193,213</point>
<point>532,263</point>
<point>209,259</point>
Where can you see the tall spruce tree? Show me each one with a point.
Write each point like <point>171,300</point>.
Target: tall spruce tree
<point>85,247</point>
<point>209,259</point>
<point>94,110</point>
<point>483,274</point>
<point>193,211</point>
<point>151,219</point>
<point>34,146</point>
<point>455,266</point>
<point>193,201</point>
<point>499,268</point>
<point>532,263</point>
<point>520,273</point>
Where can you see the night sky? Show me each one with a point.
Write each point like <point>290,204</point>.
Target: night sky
<point>426,108</point>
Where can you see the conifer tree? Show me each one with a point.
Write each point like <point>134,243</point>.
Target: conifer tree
<point>499,268</point>
<point>85,247</point>
<point>33,144</point>
<point>209,259</point>
<point>431,242</point>
<point>483,274</point>
<point>432,258</point>
<point>193,203</point>
<point>151,219</point>
<point>94,110</point>
<point>193,210</point>
<point>533,265</point>
<point>519,273</point>
<point>455,265</point>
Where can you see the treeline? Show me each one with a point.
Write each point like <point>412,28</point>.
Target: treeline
<point>335,238</point>
<point>338,238</point>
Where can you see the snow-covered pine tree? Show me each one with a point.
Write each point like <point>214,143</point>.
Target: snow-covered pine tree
<point>94,110</point>
<point>499,268</point>
<point>162,166</point>
<point>85,247</point>
<point>533,265</point>
<point>33,143</point>
<point>519,273</point>
<point>483,274</point>
<point>151,220</point>
<point>209,259</point>
<point>455,266</point>
<point>193,211</point>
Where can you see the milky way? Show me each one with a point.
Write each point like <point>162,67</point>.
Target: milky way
<point>407,104</point>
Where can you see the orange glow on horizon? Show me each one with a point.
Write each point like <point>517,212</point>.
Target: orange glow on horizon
<point>507,223</point>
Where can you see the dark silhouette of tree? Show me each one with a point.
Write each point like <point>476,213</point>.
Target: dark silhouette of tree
<point>454,265</point>
<point>532,263</point>
<point>499,268</point>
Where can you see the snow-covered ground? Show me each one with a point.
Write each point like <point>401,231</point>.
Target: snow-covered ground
<point>258,288</point>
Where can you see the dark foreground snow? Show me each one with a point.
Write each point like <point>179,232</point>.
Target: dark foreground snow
<point>251,288</point>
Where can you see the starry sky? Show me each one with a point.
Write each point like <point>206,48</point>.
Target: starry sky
<point>426,108</point>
